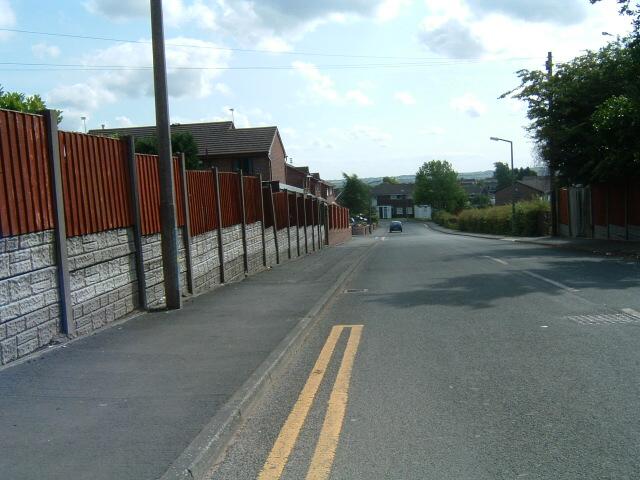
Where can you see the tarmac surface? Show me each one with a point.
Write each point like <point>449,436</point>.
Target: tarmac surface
<point>126,402</point>
<point>478,359</point>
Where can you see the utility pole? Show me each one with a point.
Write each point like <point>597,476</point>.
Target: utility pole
<point>552,173</point>
<point>165,163</point>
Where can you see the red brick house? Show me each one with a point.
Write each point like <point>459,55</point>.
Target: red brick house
<point>393,200</point>
<point>529,188</point>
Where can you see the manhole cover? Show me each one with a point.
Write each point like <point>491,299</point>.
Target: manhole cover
<point>356,290</point>
<point>605,319</point>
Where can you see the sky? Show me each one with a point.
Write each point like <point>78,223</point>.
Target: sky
<point>372,87</point>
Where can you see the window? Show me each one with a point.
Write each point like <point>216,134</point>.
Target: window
<point>409,210</point>
<point>399,211</point>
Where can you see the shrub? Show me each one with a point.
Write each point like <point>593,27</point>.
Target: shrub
<point>530,219</point>
<point>446,219</point>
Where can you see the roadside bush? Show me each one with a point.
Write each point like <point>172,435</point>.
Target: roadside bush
<point>446,219</point>
<point>529,219</point>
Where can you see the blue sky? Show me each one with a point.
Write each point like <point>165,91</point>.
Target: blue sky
<point>346,92</point>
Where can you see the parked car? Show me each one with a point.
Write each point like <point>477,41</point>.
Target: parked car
<point>395,226</point>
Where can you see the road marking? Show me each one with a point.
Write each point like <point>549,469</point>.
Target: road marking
<point>632,312</point>
<point>496,260</point>
<point>325,451</point>
<point>551,282</point>
<point>279,455</point>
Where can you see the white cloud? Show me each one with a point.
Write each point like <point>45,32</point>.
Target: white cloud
<point>434,131</point>
<point>7,18</point>
<point>44,50</point>
<point>358,97</point>
<point>124,121</point>
<point>563,12</point>
<point>452,39</point>
<point>175,12</point>
<point>223,89</point>
<point>370,133</point>
<point>321,87</point>
<point>274,44</point>
<point>405,98</point>
<point>390,9</point>
<point>469,105</point>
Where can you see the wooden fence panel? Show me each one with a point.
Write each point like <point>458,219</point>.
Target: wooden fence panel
<point>280,204</point>
<point>230,199</point>
<point>617,206</point>
<point>26,202</point>
<point>599,204</point>
<point>291,198</point>
<point>202,201</point>
<point>252,199</point>
<point>95,183</point>
<point>268,215</point>
<point>563,206</point>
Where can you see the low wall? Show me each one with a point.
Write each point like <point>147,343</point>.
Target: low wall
<point>254,247</point>
<point>29,313</point>
<point>206,261</point>
<point>339,236</point>
<point>154,275</point>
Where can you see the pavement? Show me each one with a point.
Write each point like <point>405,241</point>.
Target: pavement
<point>478,359</point>
<point>136,400</point>
<point>628,249</point>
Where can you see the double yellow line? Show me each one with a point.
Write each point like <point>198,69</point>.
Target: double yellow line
<point>323,456</point>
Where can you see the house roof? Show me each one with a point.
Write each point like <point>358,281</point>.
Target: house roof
<point>542,184</point>
<point>212,138</point>
<point>393,189</point>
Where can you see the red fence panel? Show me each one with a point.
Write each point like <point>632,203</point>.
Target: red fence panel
<point>293,219</point>
<point>617,205</point>
<point>26,202</point>
<point>95,183</point>
<point>599,204</point>
<point>202,201</point>
<point>230,198</point>
<point>268,215</point>
<point>301,208</point>
<point>252,199</point>
<point>563,206</point>
<point>280,205</point>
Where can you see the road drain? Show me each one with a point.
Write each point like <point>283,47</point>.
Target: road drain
<point>356,290</point>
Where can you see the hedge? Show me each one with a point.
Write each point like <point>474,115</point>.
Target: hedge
<point>531,219</point>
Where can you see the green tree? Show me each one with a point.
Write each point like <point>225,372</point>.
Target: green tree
<point>588,133</point>
<point>437,185</point>
<point>391,180</point>
<point>181,142</point>
<point>355,195</point>
<point>22,103</point>
<point>503,174</point>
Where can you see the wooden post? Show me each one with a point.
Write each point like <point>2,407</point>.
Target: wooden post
<point>244,224</point>
<point>304,213</point>
<point>288,227</point>
<point>275,227</point>
<point>67,324</point>
<point>216,181</point>
<point>264,239</point>
<point>134,197</point>
<point>186,229</point>
<point>297,226</point>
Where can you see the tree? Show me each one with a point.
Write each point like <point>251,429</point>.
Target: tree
<point>21,103</point>
<point>589,131</point>
<point>503,174</point>
<point>181,142</point>
<point>627,9</point>
<point>391,180</point>
<point>355,195</point>
<point>437,185</point>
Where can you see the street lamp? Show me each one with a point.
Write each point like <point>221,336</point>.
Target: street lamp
<point>513,185</point>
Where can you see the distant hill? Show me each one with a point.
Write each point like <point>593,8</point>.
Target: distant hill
<point>411,178</point>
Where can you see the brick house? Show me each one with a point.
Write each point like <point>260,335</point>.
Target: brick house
<point>393,200</point>
<point>300,177</point>
<point>256,150</point>
<point>529,188</point>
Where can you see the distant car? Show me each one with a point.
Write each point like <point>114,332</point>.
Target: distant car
<point>395,226</point>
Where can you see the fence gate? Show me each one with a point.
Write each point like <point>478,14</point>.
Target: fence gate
<point>580,211</point>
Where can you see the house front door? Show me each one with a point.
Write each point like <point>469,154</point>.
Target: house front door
<point>384,211</point>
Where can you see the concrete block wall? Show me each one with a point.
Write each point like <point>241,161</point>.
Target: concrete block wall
<point>254,247</point>
<point>154,276</point>
<point>102,278</point>
<point>283,245</point>
<point>29,312</point>
<point>270,245</point>
<point>206,261</point>
<point>310,237</point>
<point>233,253</point>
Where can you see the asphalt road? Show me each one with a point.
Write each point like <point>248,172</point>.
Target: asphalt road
<point>478,359</point>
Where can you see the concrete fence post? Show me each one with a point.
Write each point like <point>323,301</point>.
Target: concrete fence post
<point>297,225</point>
<point>313,227</point>
<point>134,197</point>
<point>186,229</point>
<point>216,181</point>
<point>304,213</point>
<point>326,224</point>
<point>288,226</point>
<point>319,215</point>
<point>264,239</point>
<point>244,224</point>
<point>274,222</point>
<point>67,324</point>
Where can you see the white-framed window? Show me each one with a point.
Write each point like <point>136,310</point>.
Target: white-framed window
<point>409,210</point>
<point>399,211</point>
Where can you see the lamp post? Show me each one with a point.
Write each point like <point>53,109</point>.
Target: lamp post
<point>513,185</point>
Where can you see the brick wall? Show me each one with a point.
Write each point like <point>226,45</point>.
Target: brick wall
<point>102,276</point>
<point>29,313</point>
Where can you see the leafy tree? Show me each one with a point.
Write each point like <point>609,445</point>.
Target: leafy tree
<point>481,201</point>
<point>589,132</point>
<point>181,142</point>
<point>21,103</point>
<point>437,185</point>
<point>503,174</point>
<point>626,8</point>
<point>391,180</point>
<point>355,195</point>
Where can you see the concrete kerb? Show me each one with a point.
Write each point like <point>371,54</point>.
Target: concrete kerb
<point>200,458</point>
<point>573,247</point>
